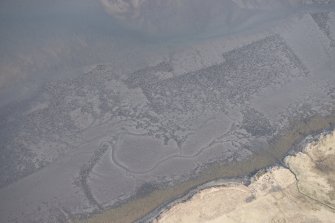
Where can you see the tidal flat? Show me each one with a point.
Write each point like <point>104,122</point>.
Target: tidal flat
<point>102,120</point>
<point>288,142</point>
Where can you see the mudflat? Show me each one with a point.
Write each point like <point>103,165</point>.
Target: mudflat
<point>110,113</point>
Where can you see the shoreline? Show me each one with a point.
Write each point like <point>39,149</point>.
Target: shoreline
<point>244,180</point>
<point>310,144</point>
<point>286,142</point>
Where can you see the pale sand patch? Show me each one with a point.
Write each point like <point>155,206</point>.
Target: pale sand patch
<point>303,193</point>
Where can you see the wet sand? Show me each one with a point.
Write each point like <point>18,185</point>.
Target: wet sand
<point>299,190</point>
<point>281,145</point>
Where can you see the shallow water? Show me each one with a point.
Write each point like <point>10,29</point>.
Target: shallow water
<point>100,109</point>
<point>47,40</point>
